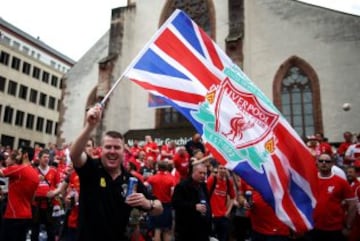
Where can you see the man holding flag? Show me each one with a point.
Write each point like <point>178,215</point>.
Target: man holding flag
<point>239,124</point>
<point>108,192</point>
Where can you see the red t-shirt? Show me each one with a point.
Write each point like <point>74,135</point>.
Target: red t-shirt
<point>48,181</point>
<point>151,149</point>
<point>176,175</point>
<point>36,154</point>
<point>23,181</point>
<point>134,151</point>
<point>355,186</point>
<point>181,163</point>
<point>353,151</point>
<point>170,151</point>
<point>325,147</point>
<point>162,184</point>
<point>262,216</point>
<point>73,217</point>
<point>342,150</point>
<point>264,220</point>
<point>329,213</point>
<point>74,184</point>
<point>343,147</point>
<point>218,199</point>
<point>60,153</point>
<point>61,170</point>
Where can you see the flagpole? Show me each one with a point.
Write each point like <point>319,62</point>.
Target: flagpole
<point>106,97</point>
<point>157,33</point>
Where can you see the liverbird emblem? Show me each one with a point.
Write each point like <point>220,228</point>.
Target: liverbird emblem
<point>238,125</point>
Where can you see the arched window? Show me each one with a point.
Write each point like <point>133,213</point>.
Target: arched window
<point>203,13</point>
<point>296,101</point>
<point>297,95</point>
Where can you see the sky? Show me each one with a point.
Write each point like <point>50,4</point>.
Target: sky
<point>72,27</point>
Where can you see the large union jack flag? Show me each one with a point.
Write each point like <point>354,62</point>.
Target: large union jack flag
<point>238,122</point>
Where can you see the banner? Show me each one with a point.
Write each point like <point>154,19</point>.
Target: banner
<point>240,125</point>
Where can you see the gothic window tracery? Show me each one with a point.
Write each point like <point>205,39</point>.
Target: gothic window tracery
<point>296,101</point>
<point>297,95</point>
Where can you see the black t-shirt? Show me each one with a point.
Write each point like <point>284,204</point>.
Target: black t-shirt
<point>103,213</point>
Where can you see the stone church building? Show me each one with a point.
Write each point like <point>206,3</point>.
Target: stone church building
<point>303,57</point>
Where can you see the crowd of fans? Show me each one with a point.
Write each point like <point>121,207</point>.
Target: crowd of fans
<point>238,212</point>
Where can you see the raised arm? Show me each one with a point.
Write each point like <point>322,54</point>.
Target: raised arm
<point>77,154</point>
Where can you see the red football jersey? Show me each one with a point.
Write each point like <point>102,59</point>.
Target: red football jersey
<point>181,163</point>
<point>162,184</point>
<point>48,181</point>
<point>262,216</point>
<point>218,199</point>
<point>168,150</point>
<point>74,184</point>
<point>329,213</point>
<point>151,149</point>
<point>23,181</point>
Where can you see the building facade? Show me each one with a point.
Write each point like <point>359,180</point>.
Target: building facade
<point>305,58</point>
<point>31,75</point>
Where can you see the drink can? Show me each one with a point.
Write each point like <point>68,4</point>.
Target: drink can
<point>132,186</point>
<point>248,196</point>
<point>204,203</point>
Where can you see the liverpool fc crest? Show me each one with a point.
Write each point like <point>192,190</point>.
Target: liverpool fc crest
<point>240,117</point>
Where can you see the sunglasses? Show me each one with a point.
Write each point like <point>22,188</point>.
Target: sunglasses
<point>324,161</point>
